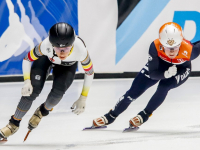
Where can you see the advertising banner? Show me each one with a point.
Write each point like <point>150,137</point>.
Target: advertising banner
<point>25,23</point>
<point>117,33</point>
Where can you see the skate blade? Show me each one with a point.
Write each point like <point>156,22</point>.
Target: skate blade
<point>131,129</point>
<point>93,127</point>
<point>27,135</point>
<point>3,141</point>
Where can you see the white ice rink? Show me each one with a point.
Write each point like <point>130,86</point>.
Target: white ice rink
<point>175,125</point>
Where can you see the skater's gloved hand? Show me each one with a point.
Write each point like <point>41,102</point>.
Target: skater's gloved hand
<point>172,71</point>
<point>79,105</point>
<point>27,88</point>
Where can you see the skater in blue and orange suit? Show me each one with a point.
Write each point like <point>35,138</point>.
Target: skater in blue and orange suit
<point>169,63</point>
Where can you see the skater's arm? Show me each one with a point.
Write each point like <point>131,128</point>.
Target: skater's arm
<point>26,68</point>
<point>195,50</point>
<point>79,106</point>
<point>33,55</point>
<point>89,74</point>
<point>153,62</point>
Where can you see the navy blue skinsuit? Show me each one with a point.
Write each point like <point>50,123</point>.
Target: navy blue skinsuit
<point>152,73</point>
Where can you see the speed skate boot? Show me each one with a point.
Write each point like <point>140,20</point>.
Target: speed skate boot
<point>9,129</point>
<point>104,120</point>
<point>138,120</point>
<point>37,116</point>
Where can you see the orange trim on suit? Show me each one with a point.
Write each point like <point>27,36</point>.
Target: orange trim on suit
<point>184,53</point>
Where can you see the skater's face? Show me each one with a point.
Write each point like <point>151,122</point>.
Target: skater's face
<point>172,52</point>
<point>63,52</point>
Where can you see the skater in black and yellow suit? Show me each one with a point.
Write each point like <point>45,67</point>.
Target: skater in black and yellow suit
<point>60,51</point>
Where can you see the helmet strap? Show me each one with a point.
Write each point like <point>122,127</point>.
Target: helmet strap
<point>54,53</point>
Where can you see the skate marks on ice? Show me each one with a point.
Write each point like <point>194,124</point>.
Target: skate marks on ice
<point>194,126</point>
<point>139,136</point>
<point>130,138</point>
<point>47,146</point>
<point>158,132</point>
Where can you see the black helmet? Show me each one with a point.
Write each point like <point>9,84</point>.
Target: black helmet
<point>61,35</point>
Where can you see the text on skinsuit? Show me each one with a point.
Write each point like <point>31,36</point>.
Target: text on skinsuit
<point>183,76</point>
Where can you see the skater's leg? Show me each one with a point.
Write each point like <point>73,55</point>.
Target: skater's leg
<point>159,96</point>
<point>39,69</point>
<point>155,101</point>
<point>140,84</point>
<point>63,78</point>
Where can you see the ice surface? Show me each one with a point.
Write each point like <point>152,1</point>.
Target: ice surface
<point>175,125</point>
